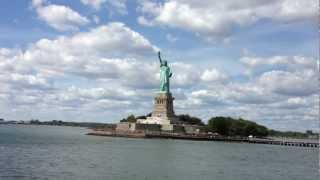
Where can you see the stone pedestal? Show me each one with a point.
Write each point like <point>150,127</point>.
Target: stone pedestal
<point>163,112</point>
<point>163,105</point>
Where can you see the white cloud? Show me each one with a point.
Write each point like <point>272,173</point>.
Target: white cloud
<point>35,81</point>
<point>106,55</point>
<point>281,99</point>
<point>276,61</point>
<point>294,103</point>
<point>211,75</point>
<point>149,7</point>
<point>257,61</point>
<point>87,97</point>
<point>185,75</point>
<point>38,3</point>
<point>208,97</point>
<point>144,21</point>
<point>94,3</point>
<point>111,40</point>
<point>118,6</point>
<point>59,17</point>
<point>216,19</point>
<point>302,83</point>
<point>285,75</point>
<point>46,62</point>
<point>251,93</point>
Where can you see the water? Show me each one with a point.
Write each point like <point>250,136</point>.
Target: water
<point>44,152</point>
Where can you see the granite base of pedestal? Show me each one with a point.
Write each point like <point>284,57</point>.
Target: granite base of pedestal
<point>163,112</point>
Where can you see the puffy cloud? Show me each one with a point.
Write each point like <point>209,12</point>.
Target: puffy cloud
<point>38,3</point>
<point>94,3</point>
<point>48,66</point>
<point>91,99</point>
<point>281,98</point>
<point>294,103</point>
<point>291,76</point>
<point>101,93</point>
<point>291,84</point>
<point>107,38</point>
<point>59,17</point>
<point>128,72</point>
<point>118,6</point>
<point>211,75</point>
<point>84,53</point>
<point>212,19</point>
<point>113,58</point>
<point>258,61</point>
<point>209,97</point>
<point>251,93</point>
<point>287,62</point>
<point>27,81</point>
<point>185,74</point>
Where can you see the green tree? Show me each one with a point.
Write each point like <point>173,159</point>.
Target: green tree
<point>186,118</point>
<point>220,125</point>
<point>130,118</point>
<point>236,127</point>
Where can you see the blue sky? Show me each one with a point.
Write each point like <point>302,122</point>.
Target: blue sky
<point>95,60</point>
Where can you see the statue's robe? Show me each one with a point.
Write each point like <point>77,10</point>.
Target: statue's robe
<point>165,74</point>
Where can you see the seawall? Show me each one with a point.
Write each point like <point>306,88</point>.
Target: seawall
<point>168,135</point>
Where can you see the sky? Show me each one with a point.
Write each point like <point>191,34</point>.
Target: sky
<point>96,60</point>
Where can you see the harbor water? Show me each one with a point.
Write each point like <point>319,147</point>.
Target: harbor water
<point>54,152</point>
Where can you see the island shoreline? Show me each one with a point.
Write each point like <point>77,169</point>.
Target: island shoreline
<point>151,135</point>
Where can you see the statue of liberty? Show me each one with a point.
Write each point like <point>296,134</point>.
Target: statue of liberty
<point>165,75</point>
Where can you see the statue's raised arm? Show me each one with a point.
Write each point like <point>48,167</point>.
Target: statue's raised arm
<point>159,55</point>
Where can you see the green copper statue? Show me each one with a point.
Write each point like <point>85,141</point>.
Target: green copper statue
<point>165,74</point>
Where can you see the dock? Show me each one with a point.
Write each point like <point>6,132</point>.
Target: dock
<point>235,139</point>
